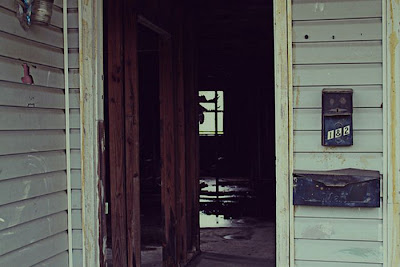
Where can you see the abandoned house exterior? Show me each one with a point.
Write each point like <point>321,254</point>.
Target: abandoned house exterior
<point>72,121</point>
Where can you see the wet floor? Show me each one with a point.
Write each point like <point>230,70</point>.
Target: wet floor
<point>232,232</point>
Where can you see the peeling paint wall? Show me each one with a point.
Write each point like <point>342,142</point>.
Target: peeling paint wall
<point>338,44</point>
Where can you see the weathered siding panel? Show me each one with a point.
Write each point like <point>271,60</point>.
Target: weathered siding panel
<point>338,212</point>
<point>33,162</point>
<point>337,44</point>
<point>62,257</point>
<point>24,211</point>
<point>314,10</point>
<point>364,96</point>
<point>37,252</point>
<point>339,52</point>
<point>300,263</point>
<point>51,36</point>
<point>339,229</point>
<point>338,250</point>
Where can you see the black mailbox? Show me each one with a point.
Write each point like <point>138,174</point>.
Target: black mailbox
<point>337,122</point>
<point>337,188</point>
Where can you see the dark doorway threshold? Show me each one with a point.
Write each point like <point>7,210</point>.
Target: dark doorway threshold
<point>207,259</point>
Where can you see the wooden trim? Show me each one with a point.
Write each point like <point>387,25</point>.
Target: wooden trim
<point>393,126</point>
<point>180,140</point>
<point>167,147</point>
<point>192,140</point>
<point>385,138</point>
<point>116,134</point>
<point>282,132</point>
<point>290,129</point>
<point>91,90</point>
<point>131,98</point>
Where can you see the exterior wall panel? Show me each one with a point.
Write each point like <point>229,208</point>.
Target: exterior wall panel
<point>338,44</point>
<point>33,159</point>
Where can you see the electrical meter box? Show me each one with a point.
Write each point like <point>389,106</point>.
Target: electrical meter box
<point>337,117</point>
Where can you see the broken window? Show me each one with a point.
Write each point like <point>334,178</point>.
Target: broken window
<point>211,113</point>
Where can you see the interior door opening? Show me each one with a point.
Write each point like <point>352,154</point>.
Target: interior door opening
<point>149,151</point>
<point>237,153</point>
<point>204,81</point>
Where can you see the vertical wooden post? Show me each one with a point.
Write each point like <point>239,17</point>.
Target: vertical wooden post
<point>131,102</point>
<point>282,129</point>
<point>393,128</point>
<point>191,139</point>
<point>91,90</point>
<point>167,146</point>
<point>116,125</point>
<point>180,135</point>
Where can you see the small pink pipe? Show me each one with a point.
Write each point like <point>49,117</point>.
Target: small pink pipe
<point>27,79</point>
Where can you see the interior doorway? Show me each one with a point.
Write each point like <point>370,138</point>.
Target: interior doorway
<point>169,72</point>
<point>149,147</point>
<point>237,131</point>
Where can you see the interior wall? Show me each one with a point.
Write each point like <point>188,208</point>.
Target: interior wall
<point>338,44</point>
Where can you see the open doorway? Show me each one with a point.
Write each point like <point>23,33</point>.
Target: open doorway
<point>149,147</point>
<point>168,68</point>
<point>237,132</point>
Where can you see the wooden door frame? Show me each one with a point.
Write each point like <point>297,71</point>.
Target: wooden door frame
<point>91,116</point>
<point>391,38</point>
<point>91,84</point>
<point>123,137</point>
<point>122,133</point>
<point>283,129</point>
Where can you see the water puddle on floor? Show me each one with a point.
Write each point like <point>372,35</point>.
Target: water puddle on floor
<point>208,221</point>
<point>225,206</point>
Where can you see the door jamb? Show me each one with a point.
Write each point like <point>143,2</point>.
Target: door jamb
<point>392,36</point>
<point>91,114</point>
<point>282,131</point>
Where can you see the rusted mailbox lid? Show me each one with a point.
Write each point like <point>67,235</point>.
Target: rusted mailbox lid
<point>339,178</point>
<point>337,188</point>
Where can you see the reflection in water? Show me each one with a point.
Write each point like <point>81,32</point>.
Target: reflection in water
<point>227,206</point>
<point>211,220</point>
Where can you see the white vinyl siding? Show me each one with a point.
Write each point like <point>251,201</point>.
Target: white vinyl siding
<point>337,44</point>
<point>33,177</point>
<point>33,158</point>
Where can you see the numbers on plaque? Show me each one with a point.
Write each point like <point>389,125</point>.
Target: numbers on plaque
<point>346,130</point>
<point>339,132</point>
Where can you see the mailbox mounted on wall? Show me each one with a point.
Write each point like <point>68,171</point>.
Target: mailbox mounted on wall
<point>337,117</point>
<point>337,188</point>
